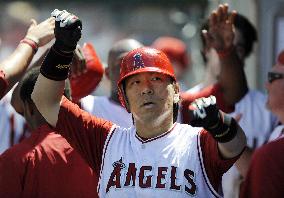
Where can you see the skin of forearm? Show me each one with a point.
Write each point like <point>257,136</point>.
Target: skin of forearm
<point>47,95</point>
<point>16,64</point>
<point>232,78</point>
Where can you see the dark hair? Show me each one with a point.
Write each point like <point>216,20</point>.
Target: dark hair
<point>28,82</point>
<point>246,29</point>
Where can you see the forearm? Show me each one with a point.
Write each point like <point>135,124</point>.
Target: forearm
<point>47,95</point>
<point>243,162</point>
<point>232,78</point>
<point>235,146</point>
<point>16,64</point>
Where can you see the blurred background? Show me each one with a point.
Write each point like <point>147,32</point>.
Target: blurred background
<point>106,21</point>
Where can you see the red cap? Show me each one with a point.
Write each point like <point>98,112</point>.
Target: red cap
<point>280,58</point>
<point>87,82</point>
<point>174,48</point>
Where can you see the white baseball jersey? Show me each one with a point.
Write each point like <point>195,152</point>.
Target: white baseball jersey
<point>170,165</point>
<point>104,107</point>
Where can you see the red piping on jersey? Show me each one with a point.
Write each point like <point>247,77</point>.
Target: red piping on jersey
<point>103,158</point>
<point>213,191</point>
<point>154,138</point>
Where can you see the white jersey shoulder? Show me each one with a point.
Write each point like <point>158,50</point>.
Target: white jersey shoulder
<point>256,120</point>
<point>169,165</point>
<point>103,107</point>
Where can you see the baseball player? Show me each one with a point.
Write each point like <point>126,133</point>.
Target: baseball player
<point>44,164</point>
<point>248,104</point>
<point>265,176</point>
<point>156,157</point>
<point>110,108</point>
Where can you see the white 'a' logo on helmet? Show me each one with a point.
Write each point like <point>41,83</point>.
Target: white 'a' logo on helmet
<point>138,62</point>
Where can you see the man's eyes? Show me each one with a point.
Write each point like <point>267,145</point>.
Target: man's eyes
<point>156,78</point>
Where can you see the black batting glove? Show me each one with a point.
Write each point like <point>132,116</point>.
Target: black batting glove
<point>206,114</point>
<point>67,30</point>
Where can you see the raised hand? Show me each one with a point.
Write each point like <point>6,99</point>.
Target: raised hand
<point>67,30</point>
<point>41,33</point>
<point>220,34</point>
<point>207,115</point>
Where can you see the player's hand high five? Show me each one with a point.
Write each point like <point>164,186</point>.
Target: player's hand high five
<point>67,30</point>
<point>207,115</point>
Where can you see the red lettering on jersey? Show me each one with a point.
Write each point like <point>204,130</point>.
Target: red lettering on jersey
<point>114,179</point>
<point>148,182</point>
<point>161,176</point>
<point>189,175</point>
<point>130,175</point>
<point>173,179</point>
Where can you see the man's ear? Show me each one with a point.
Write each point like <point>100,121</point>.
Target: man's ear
<point>29,108</point>
<point>107,72</point>
<point>176,95</point>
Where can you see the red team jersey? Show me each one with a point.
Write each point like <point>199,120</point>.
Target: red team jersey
<point>3,84</point>
<point>265,177</point>
<point>183,161</point>
<point>43,166</point>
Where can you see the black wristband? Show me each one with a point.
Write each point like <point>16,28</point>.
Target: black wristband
<point>56,64</point>
<point>225,130</point>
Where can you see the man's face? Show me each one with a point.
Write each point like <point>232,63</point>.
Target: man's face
<point>150,96</point>
<point>275,89</point>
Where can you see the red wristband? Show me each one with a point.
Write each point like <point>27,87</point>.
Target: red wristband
<point>224,53</point>
<point>31,43</point>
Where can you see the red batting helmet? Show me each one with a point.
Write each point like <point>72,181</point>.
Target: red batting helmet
<point>144,59</point>
<point>87,82</point>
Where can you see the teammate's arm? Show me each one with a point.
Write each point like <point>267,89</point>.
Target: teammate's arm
<point>15,65</point>
<point>220,35</point>
<point>54,70</point>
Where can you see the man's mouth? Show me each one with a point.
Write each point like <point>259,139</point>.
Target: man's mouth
<point>148,104</point>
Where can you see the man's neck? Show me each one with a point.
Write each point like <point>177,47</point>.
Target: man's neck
<point>153,129</point>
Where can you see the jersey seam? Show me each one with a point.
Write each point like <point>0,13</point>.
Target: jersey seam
<point>207,181</point>
<point>112,130</point>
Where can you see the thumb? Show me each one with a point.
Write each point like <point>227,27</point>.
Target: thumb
<point>33,23</point>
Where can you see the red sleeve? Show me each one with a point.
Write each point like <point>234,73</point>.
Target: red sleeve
<point>85,132</point>
<point>3,84</point>
<point>265,176</point>
<point>188,98</point>
<point>215,165</point>
<point>10,179</point>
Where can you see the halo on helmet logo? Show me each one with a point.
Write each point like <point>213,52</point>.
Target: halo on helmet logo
<point>138,62</point>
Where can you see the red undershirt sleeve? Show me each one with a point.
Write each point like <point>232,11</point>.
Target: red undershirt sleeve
<point>85,132</point>
<point>215,165</point>
<point>3,84</point>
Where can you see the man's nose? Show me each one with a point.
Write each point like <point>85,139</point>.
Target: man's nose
<point>147,88</point>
